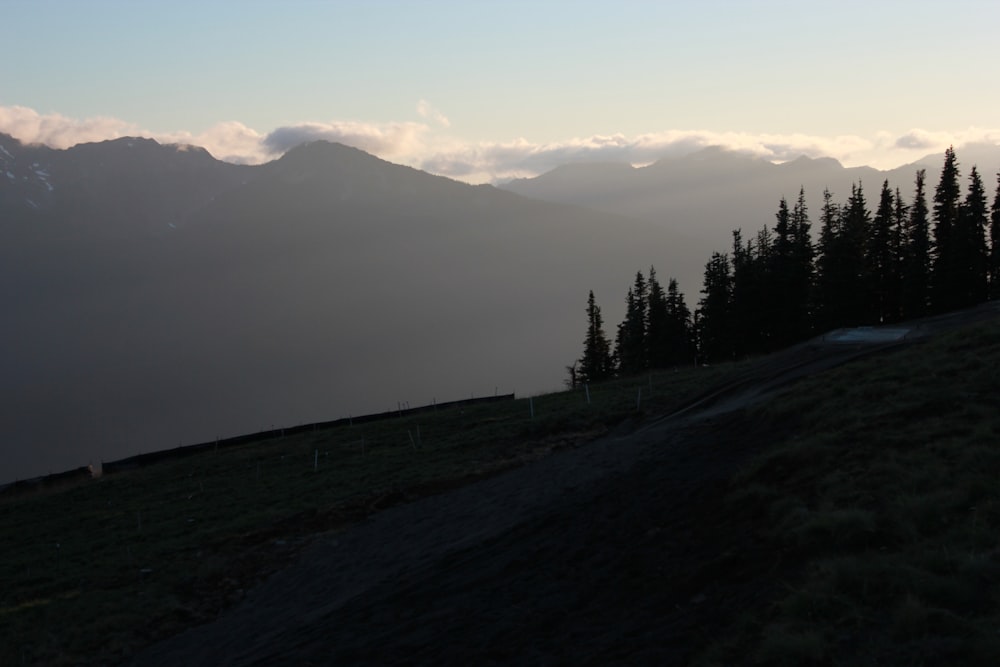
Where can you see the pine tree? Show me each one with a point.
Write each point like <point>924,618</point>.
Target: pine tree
<point>844,287</point>
<point>681,348</point>
<point>802,275</point>
<point>657,324</point>
<point>779,291</point>
<point>879,259</point>
<point>715,331</point>
<point>971,264</point>
<point>943,259</point>
<point>630,348</point>
<point>916,281</point>
<point>596,363</point>
<point>894,296</point>
<point>858,289</point>
<point>829,265</point>
<point>994,266</point>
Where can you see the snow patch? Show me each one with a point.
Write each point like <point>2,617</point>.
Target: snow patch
<point>6,152</point>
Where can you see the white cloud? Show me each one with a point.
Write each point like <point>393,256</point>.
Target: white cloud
<point>58,131</point>
<point>387,140</point>
<point>418,145</point>
<point>231,141</point>
<point>427,111</point>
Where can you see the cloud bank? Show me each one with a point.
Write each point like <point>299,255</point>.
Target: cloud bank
<point>427,146</point>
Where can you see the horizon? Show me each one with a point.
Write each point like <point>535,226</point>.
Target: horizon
<point>493,92</point>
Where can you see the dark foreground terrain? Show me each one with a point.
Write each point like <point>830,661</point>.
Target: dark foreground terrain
<point>621,551</point>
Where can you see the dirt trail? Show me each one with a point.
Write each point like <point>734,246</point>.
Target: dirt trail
<point>613,553</point>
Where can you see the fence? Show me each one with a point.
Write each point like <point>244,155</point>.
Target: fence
<point>140,460</point>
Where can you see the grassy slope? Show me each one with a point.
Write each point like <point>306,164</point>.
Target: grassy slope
<point>882,506</point>
<point>91,572</point>
<point>878,498</point>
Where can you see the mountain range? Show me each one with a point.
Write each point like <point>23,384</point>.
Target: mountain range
<point>156,296</point>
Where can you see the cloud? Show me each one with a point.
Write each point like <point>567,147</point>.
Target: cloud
<point>422,146</point>
<point>917,140</point>
<point>499,161</point>
<point>385,139</point>
<point>230,141</point>
<point>58,131</point>
<point>427,111</point>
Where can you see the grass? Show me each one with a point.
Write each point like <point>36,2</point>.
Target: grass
<point>879,495</point>
<point>885,502</point>
<point>93,571</point>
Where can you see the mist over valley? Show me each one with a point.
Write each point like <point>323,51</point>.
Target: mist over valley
<point>157,296</point>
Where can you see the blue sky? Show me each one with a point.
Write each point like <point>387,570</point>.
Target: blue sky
<point>488,90</point>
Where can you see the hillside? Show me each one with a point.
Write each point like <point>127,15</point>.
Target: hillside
<point>324,284</point>
<point>759,525</point>
<point>705,195</point>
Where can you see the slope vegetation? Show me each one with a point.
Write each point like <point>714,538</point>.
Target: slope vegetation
<point>819,515</point>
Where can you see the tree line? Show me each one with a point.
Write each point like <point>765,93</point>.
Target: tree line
<point>779,287</point>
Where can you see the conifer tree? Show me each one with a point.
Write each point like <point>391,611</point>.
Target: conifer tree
<point>715,331</point>
<point>971,263</point>
<point>855,228</point>
<point>880,262</point>
<point>778,292</point>
<point>829,265</point>
<point>657,324</point>
<point>994,265</point>
<point>801,272</point>
<point>596,363</point>
<point>916,281</point>
<point>843,285</point>
<point>681,348</point>
<point>894,297</point>
<point>630,348</point>
<point>943,259</point>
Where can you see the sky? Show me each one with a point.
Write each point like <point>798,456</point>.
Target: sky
<point>486,91</point>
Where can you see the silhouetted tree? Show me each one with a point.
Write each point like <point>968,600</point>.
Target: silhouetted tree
<point>894,297</point>
<point>630,343</point>
<point>680,337</point>
<point>596,363</point>
<point>801,273</point>
<point>943,257</point>
<point>843,287</point>
<point>880,261</point>
<point>916,281</point>
<point>657,324</point>
<point>715,330</point>
<point>995,244</point>
<point>971,262</point>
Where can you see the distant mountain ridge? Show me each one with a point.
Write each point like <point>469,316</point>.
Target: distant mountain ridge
<point>156,296</point>
<point>121,186</point>
<point>161,297</point>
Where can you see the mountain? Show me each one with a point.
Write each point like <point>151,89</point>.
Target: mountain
<point>155,296</point>
<point>705,195</point>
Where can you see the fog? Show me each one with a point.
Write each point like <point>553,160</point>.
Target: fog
<point>329,284</point>
<point>157,297</point>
